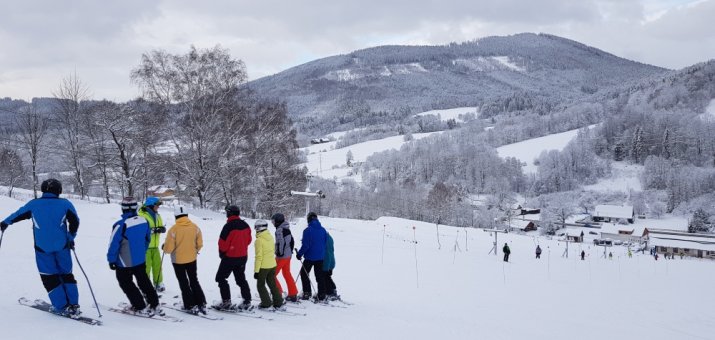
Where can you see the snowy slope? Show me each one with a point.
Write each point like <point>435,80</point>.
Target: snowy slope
<point>624,178</point>
<point>409,291</point>
<point>529,150</point>
<point>327,162</point>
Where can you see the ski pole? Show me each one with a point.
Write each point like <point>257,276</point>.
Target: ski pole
<point>88,284</point>
<point>1,235</point>
<point>302,267</point>
<point>161,263</point>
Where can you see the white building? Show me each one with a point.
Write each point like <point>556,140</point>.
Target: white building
<point>613,213</point>
<point>629,232</point>
<point>680,243</point>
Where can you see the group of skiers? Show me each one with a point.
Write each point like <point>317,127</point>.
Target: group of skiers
<point>134,254</point>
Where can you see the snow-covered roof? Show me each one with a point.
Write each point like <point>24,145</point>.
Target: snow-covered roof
<point>615,211</point>
<point>519,224</point>
<point>574,232</point>
<point>613,228</point>
<point>531,217</point>
<point>682,240</point>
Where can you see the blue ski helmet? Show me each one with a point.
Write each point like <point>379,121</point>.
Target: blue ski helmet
<point>152,201</point>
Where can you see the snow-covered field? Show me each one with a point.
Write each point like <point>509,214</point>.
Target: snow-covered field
<point>529,150</point>
<point>327,162</point>
<point>401,289</point>
<point>448,114</point>
<point>624,177</point>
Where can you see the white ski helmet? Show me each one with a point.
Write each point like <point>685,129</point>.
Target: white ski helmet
<point>180,211</point>
<point>260,225</point>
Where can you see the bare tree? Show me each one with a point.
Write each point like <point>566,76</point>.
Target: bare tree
<point>31,131</point>
<point>13,171</point>
<point>99,144</point>
<point>70,98</point>
<point>202,86</point>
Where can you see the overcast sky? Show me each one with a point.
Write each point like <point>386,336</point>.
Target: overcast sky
<point>43,41</point>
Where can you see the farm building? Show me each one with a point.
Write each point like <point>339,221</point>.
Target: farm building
<point>523,225</point>
<point>160,191</point>
<point>613,213</point>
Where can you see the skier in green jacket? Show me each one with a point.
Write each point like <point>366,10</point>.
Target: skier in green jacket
<point>150,211</point>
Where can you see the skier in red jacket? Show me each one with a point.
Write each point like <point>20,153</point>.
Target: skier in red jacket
<point>233,250</point>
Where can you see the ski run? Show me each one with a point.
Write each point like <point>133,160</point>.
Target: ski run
<point>396,280</point>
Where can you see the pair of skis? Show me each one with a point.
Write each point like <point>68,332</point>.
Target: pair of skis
<point>46,307</point>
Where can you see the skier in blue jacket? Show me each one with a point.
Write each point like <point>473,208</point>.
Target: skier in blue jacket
<point>55,224</point>
<point>313,248</point>
<point>127,256</point>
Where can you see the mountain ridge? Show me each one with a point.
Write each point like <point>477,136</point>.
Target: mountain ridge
<point>473,73</point>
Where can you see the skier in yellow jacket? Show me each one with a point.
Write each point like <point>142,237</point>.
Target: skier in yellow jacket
<point>265,267</point>
<point>183,242</point>
<point>150,211</point>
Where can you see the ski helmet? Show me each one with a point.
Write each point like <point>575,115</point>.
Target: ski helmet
<point>51,186</point>
<point>278,219</point>
<point>129,204</point>
<point>180,211</point>
<point>312,216</point>
<point>232,210</point>
<point>260,225</point>
<point>152,201</point>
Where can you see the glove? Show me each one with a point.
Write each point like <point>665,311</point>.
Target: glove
<point>255,276</point>
<point>159,230</point>
<point>113,266</point>
<point>70,245</point>
<point>3,226</point>
<point>221,254</point>
<point>299,257</point>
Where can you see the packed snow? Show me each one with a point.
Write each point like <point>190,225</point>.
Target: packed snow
<point>506,62</point>
<point>710,111</point>
<point>327,162</point>
<point>403,286</point>
<point>529,150</point>
<point>447,114</point>
<point>624,178</point>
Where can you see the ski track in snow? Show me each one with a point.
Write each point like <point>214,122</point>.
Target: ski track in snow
<point>464,295</point>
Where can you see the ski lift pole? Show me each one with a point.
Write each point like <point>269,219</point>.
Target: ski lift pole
<point>417,271</point>
<point>496,241</point>
<point>382,258</point>
<point>308,195</point>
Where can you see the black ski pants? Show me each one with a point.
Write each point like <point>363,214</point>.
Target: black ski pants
<point>237,266</point>
<point>331,289</point>
<point>191,292</point>
<point>319,277</point>
<point>506,257</point>
<point>125,277</point>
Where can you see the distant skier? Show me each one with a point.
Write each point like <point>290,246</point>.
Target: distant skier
<point>265,267</point>
<point>538,252</point>
<point>150,211</point>
<point>55,224</point>
<point>128,246</point>
<point>284,252</point>
<point>328,266</point>
<point>233,251</point>
<point>313,247</point>
<point>506,251</point>
<point>610,255</point>
<point>183,242</point>
<point>630,254</point>
<point>583,255</point>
